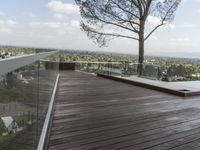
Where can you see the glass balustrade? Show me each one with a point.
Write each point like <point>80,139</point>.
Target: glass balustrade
<point>121,69</point>
<point>24,97</point>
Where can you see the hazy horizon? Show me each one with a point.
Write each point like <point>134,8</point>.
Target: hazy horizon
<point>191,55</point>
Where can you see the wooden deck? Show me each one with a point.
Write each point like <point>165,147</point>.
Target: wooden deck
<point>93,113</point>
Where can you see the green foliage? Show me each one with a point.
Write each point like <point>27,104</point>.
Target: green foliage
<point>15,90</point>
<point>2,127</point>
<point>162,68</point>
<point>5,141</point>
<point>169,68</point>
<point>22,120</point>
<point>69,56</point>
<point>14,51</point>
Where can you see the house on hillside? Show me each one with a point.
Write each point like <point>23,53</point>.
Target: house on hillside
<point>9,124</point>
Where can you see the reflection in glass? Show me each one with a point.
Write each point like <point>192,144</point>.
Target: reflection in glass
<point>24,97</point>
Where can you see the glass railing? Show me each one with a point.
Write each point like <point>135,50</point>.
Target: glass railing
<point>122,69</point>
<point>25,93</point>
<point>93,67</point>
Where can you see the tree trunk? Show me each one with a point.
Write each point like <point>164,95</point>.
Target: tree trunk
<point>141,48</point>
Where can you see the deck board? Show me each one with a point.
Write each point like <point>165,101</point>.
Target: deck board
<point>102,114</point>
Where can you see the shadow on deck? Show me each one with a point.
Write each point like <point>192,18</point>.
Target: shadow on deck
<point>97,113</point>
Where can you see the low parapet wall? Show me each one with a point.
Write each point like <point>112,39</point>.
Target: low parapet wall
<point>182,93</point>
<point>61,65</point>
<point>67,66</point>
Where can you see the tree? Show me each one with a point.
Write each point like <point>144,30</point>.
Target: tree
<point>104,20</point>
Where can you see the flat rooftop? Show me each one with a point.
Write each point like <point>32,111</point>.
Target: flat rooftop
<point>97,113</point>
<point>181,88</point>
<point>178,85</point>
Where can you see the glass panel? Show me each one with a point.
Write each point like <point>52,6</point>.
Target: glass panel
<point>150,71</point>
<point>47,76</point>
<point>18,106</point>
<point>121,69</point>
<point>24,97</point>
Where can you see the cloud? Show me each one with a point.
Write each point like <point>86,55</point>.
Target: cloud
<point>180,39</point>
<point>154,38</point>
<point>65,8</point>
<point>60,16</point>
<point>60,28</point>
<point>2,14</point>
<point>170,26</point>
<point>30,14</point>
<point>75,24</point>
<point>7,23</point>
<point>54,25</point>
<point>6,26</point>
<point>154,21</point>
<point>188,25</point>
<point>57,35</point>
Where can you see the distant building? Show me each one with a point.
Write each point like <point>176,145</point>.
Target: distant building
<point>9,123</point>
<point>19,76</point>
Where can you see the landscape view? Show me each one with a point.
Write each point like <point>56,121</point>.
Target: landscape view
<point>162,68</point>
<point>99,75</point>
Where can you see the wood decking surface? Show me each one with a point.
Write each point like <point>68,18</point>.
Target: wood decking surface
<point>93,113</point>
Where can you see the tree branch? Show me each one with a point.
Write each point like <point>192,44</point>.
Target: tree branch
<point>154,30</point>
<point>162,22</point>
<point>126,10</point>
<point>133,29</point>
<point>118,25</point>
<point>112,34</point>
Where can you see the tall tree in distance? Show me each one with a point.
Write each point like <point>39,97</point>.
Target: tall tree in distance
<point>104,20</point>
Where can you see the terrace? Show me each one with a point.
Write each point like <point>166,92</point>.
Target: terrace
<point>71,109</point>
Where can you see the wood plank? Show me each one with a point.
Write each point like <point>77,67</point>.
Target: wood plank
<point>96,113</point>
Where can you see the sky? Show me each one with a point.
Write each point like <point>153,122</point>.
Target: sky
<point>56,24</point>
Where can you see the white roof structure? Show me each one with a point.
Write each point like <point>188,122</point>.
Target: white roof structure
<point>7,121</point>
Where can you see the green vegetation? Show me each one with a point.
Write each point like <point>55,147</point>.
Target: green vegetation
<point>23,120</point>
<point>67,56</point>
<point>8,51</point>
<point>14,51</point>
<point>2,127</point>
<point>15,90</point>
<point>6,140</point>
<point>161,68</point>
